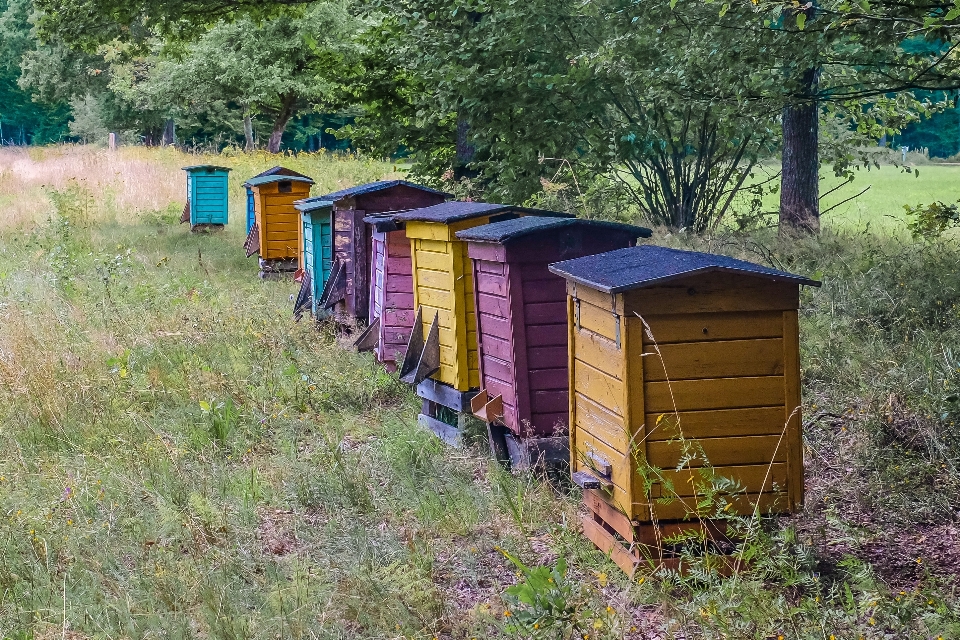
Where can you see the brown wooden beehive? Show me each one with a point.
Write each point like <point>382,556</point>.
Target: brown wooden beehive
<point>681,362</point>
<point>522,327</point>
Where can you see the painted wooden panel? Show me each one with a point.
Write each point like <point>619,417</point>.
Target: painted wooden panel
<point>715,393</point>
<point>718,359</point>
<point>711,293</point>
<point>279,222</point>
<point>208,195</point>
<point>597,320</point>
<point>599,386</point>
<point>700,327</point>
<point>251,209</point>
<point>759,478</point>
<point>715,424</point>
<point>744,504</point>
<point>719,451</point>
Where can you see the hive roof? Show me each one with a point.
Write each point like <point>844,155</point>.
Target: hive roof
<point>261,180</point>
<point>280,171</point>
<point>507,230</point>
<point>312,204</point>
<point>370,187</point>
<point>211,167</point>
<point>455,211</point>
<point>647,265</point>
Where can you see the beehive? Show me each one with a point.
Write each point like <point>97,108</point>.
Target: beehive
<point>206,196</point>
<point>391,292</point>
<point>251,207</point>
<point>444,362</point>
<point>522,327</point>
<point>677,355</point>
<point>275,234</point>
<point>316,253</point>
<point>350,288</point>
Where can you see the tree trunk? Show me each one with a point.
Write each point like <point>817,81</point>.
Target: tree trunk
<point>280,124</point>
<point>250,145</point>
<point>800,182</point>
<point>169,132</point>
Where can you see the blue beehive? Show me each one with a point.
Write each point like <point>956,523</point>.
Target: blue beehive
<point>206,196</point>
<point>251,208</point>
<point>316,252</point>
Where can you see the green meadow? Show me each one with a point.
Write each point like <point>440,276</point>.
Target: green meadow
<point>180,459</point>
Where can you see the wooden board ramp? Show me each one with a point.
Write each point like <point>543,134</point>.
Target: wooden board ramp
<point>370,337</point>
<point>422,358</point>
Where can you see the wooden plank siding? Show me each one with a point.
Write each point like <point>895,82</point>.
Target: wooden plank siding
<point>708,378</point>
<point>392,295</point>
<point>443,284</point>
<point>278,221</point>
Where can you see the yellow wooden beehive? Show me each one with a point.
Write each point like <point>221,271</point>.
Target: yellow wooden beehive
<point>443,280</point>
<point>681,361</point>
<point>276,232</point>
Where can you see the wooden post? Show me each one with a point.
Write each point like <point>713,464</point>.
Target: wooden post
<point>113,141</point>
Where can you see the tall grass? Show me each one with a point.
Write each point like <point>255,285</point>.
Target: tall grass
<point>179,459</point>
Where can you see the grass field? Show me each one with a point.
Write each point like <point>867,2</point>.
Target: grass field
<point>882,205</point>
<point>178,459</point>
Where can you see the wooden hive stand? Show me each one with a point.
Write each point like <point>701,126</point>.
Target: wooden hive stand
<point>522,329</point>
<point>686,363</point>
<point>442,356</point>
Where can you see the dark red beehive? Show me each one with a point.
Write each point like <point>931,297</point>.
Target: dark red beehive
<point>348,289</point>
<point>522,326</point>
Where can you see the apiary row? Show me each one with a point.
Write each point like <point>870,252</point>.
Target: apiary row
<point>645,370</point>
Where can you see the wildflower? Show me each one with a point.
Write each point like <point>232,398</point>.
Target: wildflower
<point>919,560</point>
<point>609,609</point>
<point>602,579</point>
<point>507,614</point>
<point>872,621</point>
<point>598,624</point>
<point>640,581</point>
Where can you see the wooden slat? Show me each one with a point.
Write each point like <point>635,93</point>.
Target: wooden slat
<point>739,450</point>
<point>571,372</point>
<point>599,387</point>
<point>715,292</point>
<point>434,261</point>
<point>427,231</point>
<point>497,348</point>
<point>433,279</point>
<point>742,505</point>
<point>715,393</point>
<point>546,335</point>
<point>546,312</point>
<point>609,545</point>
<point>494,305</point>
<point>591,418</point>
<point>720,359</point>
<point>612,515</point>
<point>757,478</point>
<point>597,351</point>
<point>715,424</point>
<point>794,437</point>
<point>622,464</point>
<point>633,376</point>
<point>550,401</point>
<point>700,327</point>
<point>598,320</point>
<point>546,379</point>
<point>398,283</point>
<point>435,298</point>
<point>492,284</point>
<point>601,300</point>
<point>543,291</point>
<point>495,326</point>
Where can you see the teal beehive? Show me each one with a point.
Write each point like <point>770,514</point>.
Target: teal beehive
<point>206,196</point>
<point>316,253</point>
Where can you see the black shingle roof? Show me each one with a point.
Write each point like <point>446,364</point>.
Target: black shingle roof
<point>507,230</point>
<point>646,265</point>
<point>455,211</point>
<point>370,187</point>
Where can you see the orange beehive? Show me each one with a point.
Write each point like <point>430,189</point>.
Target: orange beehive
<point>680,362</point>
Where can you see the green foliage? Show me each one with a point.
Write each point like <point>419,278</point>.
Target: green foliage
<point>931,221</point>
